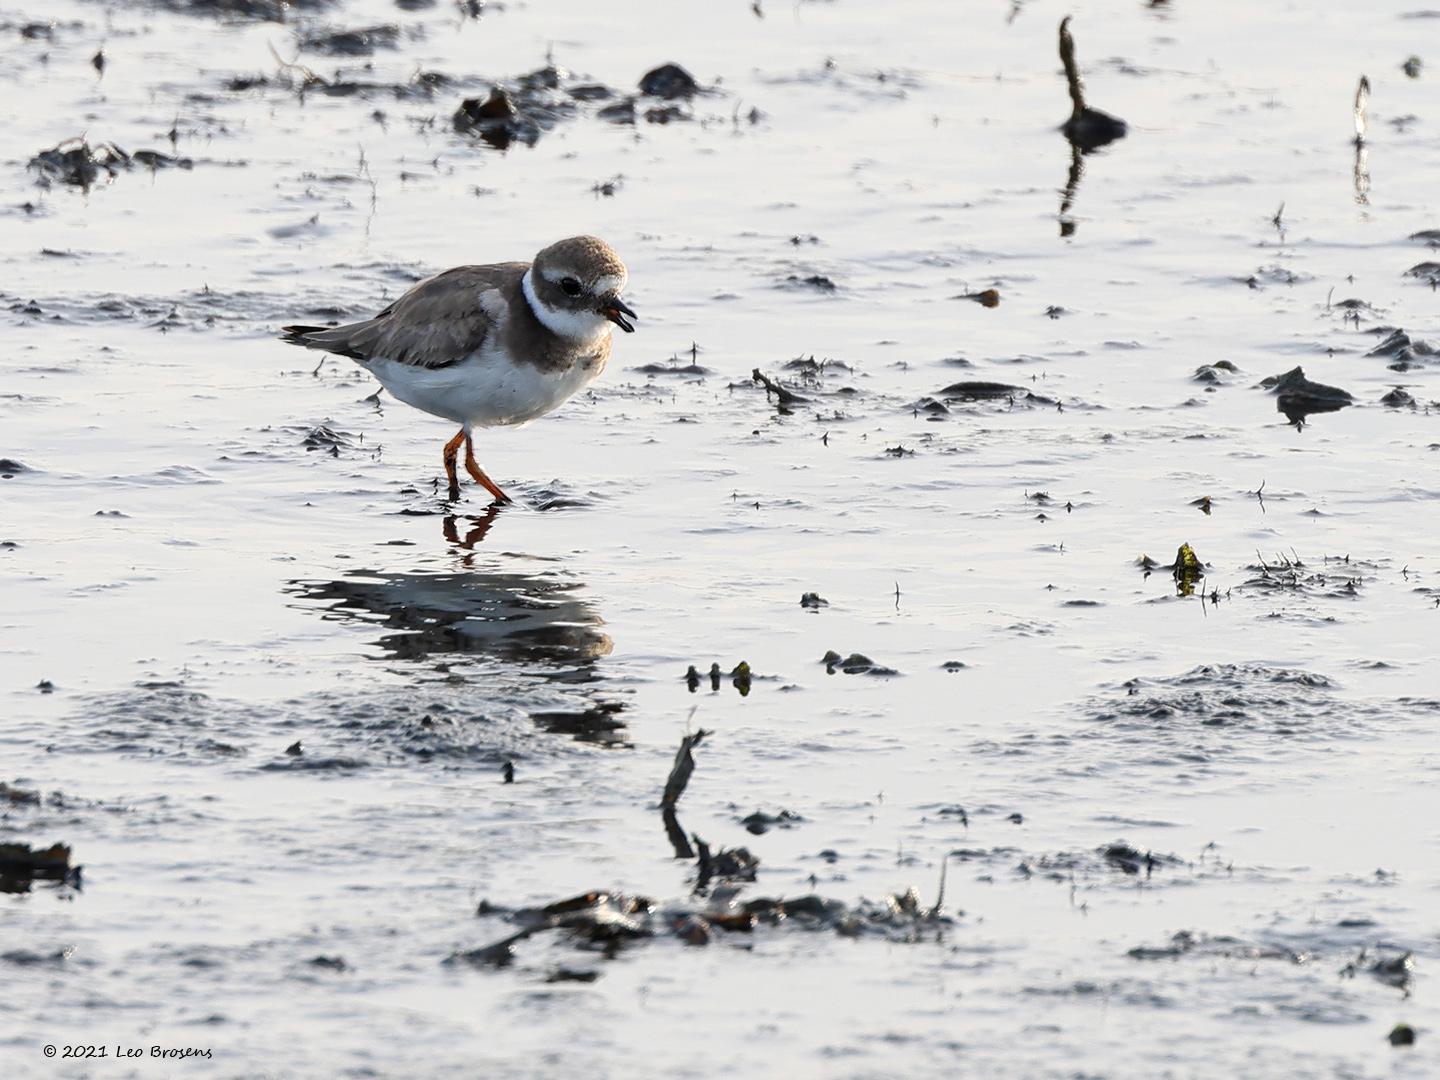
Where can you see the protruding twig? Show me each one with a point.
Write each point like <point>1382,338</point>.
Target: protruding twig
<point>1362,101</point>
<point>783,396</point>
<point>1072,70</point>
<point>940,896</point>
<point>1087,128</point>
<point>681,770</point>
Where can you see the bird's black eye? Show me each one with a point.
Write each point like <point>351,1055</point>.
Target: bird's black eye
<point>571,286</point>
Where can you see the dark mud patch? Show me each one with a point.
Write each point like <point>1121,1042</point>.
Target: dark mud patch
<point>199,310</point>
<point>1191,943</point>
<point>261,10</point>
<point>330,731</point>
<point>1227,715</point>
<point>358,42</point>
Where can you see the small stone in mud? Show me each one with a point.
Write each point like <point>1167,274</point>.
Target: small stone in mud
<point>1402,1035</point>
<point>813,600</point>
<point>295,749</point>
<point>18,796</point>
<point>238,84</point>
<point>740,678</point>
<point>663,114</point>
<point>9,467</point>
<point>45,686</point>
<point>560,975</point>
<point>819,282</point>
<point>854,664</point>
<point>98,61</point>
<point>508,773</point>
<point>1016,819</point>
<point>329,963</point>
<point>669,81</point>
<point>619,112</point>
<point>1412,66</point>
<point>978,391</point>
<point>986,298</point>
<point>953,665</point>
<point>1398,398</point>
<point>760,822</point>
<point>692,929</point>
<point>1298,397</point>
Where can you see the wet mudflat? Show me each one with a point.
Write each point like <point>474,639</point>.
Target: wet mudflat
<point>905,352</point>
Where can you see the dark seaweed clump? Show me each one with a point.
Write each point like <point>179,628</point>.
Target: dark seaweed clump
<point>77,163</point>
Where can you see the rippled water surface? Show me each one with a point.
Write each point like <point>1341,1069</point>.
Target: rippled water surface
<point>265,682</point>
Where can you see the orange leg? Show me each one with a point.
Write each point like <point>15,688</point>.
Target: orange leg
<point>478,474</point>
<point>452,451</point>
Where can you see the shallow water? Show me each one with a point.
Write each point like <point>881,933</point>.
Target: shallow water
<point>214,548</point>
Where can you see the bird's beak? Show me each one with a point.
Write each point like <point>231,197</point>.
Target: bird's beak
<point>615,310</point>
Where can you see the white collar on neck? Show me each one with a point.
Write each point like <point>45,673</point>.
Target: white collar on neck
<point>579,326</point>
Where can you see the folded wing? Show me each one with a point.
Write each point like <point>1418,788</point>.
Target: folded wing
<point>436,323</point>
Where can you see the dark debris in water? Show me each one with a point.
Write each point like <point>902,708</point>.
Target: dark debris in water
<point>1389,966</point>
<point>607,922</point>
<point>854,664</point>
<point>263,10</point>
<point>1340,578</point>
<point>359,42</point>
<point>78,163</point>
<point>1087,128</point>
<point>760,822</point>
<point>522,109</point>
<point>1403,351</point>
<point>1193,943</point>
<point>599,724</point>
<point>669,81</point>
<point>21,864</point>
<point>1298,397</point>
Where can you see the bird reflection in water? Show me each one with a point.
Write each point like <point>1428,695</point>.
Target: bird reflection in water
<point>521,617</point>
<point>477,528</point>
<point>530,627</point>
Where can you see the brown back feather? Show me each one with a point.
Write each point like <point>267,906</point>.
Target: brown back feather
<point>436,323</point>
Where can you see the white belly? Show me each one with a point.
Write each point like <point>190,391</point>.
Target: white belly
<point>483,390</point>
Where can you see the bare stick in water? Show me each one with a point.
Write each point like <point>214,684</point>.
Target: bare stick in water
<point>1072,70</point>
<point>1362,102</point>
<point>681,770</point>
